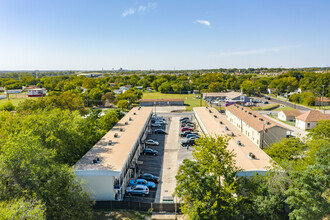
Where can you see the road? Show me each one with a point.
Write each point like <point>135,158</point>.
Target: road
<point>292,105</point>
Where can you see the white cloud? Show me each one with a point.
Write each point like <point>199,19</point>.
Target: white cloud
<point>128,12</point>
<point>204,22</point>
<point>140,9</point>
<point>257,51</point>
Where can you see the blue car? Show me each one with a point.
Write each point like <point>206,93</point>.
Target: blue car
<point>192,136</point>
<point>149,184</point>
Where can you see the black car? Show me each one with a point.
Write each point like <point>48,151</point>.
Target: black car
<point>189,142</point>
<point>160,131</point>
<point>183,119</point>
<point>149,177</point>
<point>222,111</point>
<point>149,151</point>
<point>185,133</point>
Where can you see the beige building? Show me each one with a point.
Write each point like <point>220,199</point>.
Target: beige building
<point>322,101</point>
<point>288,115</point>
<point>249,157</point>
<point>109,165</point>
<point>260,130</point>
<point>309,119</point>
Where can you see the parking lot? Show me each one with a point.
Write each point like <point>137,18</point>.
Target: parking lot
<point>165,165</point>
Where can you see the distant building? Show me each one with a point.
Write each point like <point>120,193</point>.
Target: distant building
<point>227,96</point>
<point>139,87</point>
<point>322,101</point>
<point>309,119</point>
<point>288,115</point>
<point>112,84</point>
<point>161,102</point>
<point>38,92</point>
<point>260,130</point>
<point>13,91</point>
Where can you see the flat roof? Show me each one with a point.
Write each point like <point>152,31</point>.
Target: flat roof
<point>252,118</point>
<point>113,157</point>
<point>230,94</point>
<point>213,127</point>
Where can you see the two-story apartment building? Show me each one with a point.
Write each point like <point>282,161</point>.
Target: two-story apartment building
<point>260,130</point>
<point>107,167</point>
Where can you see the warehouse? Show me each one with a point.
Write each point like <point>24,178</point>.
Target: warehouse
<point>161,102</point>
<point>249,157</point>
<point>108,166</point>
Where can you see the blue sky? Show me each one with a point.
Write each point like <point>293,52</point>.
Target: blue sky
<point>167,34</point>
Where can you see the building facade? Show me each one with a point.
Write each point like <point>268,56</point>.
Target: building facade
<point>309,119</point>
<point>162,102</point>
<point>288,115</point>
<point>107,168</point>
<point>260,130</point>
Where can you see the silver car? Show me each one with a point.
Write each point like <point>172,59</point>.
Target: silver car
<point>152,142</point>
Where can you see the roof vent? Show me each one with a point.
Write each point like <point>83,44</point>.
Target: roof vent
<point>96,160</point>
<point>126,123</point>
<point>130,119</point>
<point>267,122</point>
<point>245,111</point>
<point>210,111</point>
<point>215,116</point>
<point>115,135</point>
<point>207,107</point>
<point>250,113</point>
<point>121,129</point>
<point>139,108</point>
<point>254,116</point>
<point>221,122</point>
<point>134,113</point>
<point>109,142</point>
<point>261,119</point>
<point>242,108</point>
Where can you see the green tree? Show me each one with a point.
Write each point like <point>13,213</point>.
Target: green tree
<point>208,186</point>
<point>7,106</point>
<point>20,209</point>
<point>309,193</point>
<point>107,121</point>
<point>122,104</point>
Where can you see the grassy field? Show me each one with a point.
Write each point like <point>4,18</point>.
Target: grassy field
<point>284,108</point>
<point>190,100</point>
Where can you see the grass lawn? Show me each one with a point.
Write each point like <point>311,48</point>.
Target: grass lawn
<point>190,100</point>
<point>15,101</point>
<point>266,107</point>
<point>284,108</point>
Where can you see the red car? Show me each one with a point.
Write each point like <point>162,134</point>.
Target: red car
<point>186,129</point>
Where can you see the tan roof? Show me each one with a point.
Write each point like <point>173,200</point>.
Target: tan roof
<point>313,116</point>
<point>252,118</point>
<point>213,127</point>
<point>230,95</point>
<point>161,100</point>
<point>294,113</point>
<point>113,157</point>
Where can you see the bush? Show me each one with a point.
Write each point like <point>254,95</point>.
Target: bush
<point>7,106</point>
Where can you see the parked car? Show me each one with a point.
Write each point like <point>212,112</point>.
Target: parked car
<point>152,142</point>
<point>192,136</point>
<point>184,118</point>
<point>186,129</point>
<point>265,102</point>
<point>138,190</point>
<point>150,185</point>
<point>160,131</point>
<point>149,151</point>
<point>268,98</point>
<point>149,177</point>
<point>185,133</point>
<point>222,111</point>
<point>156,125</point>
<point>160,122</point>
<point>189,142</point>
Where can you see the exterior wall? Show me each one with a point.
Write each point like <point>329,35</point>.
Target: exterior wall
<point>281,116</point>
<point>101,187</point>
<point>242,98</point>
<point>36,93</point>
<point>305,125</point>
<point>273,135</point>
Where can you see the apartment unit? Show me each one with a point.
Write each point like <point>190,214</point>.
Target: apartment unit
<point>288,115</point>
<point>309,119</point>
<point>249,157</point>
<point>260,130</point>
<point>109,165</point>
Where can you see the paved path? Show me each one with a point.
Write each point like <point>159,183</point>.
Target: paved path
<point>170,163</point>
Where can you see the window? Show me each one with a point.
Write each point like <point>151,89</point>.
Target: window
<point>308,124</point>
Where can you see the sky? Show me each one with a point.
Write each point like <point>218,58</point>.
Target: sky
<point>163,34</point>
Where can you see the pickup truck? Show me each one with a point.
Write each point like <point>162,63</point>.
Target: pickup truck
<point>142,182</point>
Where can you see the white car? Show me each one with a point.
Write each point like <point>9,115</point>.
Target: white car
<point>160,122</point>
<point>156,125</point>
<point>152,142</point>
